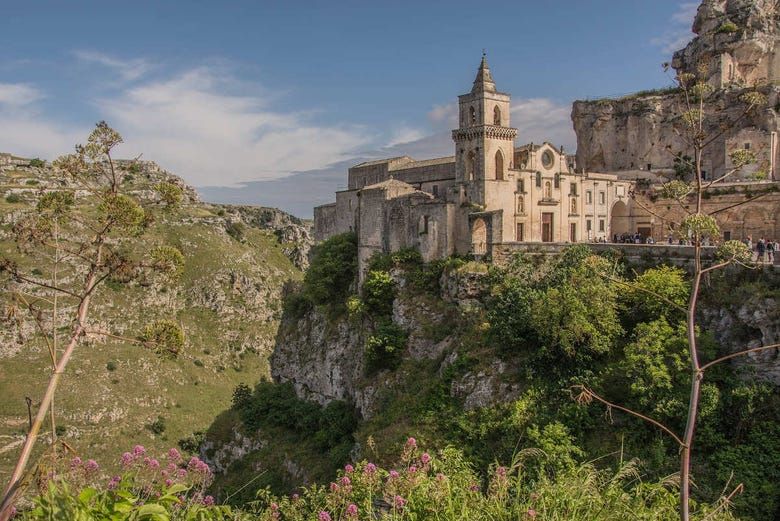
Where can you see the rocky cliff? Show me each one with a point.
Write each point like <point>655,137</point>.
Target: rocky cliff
<point>734,49</point>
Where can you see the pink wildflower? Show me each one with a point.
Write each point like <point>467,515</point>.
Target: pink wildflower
<point>182,473</point>
<point>474,487</point>
<point>324,516</point>
<point>411,442</point>
<point>399,502</point>
<point>296,497</point>
<point>531,513</point>
<point>75,462</point>
<point>174,455</point>
<point>91,465</point>
<point>114,483</point>
<point>425,458</point>
<point>439,477</point>
<point>168,482</point>
<point>153,464</point>
<point>139,450</point>
<point>349,469</point>
<point>334,487</point>
<point>274,506</point>
<point>501,472</point>
<point>370,468</point>
<point>345,481</point>
<point>352,510</point>
<point>208,501</point>
<point>412,469</point>
<point>393,474</point>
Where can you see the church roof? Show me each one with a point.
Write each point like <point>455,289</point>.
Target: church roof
<point>389,183</point>
<point>484,80</point>
<point>424,162</point>
<point>381,161</point>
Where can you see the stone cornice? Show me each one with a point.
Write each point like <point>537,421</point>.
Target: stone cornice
<point>488,131</point>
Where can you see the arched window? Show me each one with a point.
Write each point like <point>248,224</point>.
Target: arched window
<point>473,114</point>
<point>497,116</point>
<point>479,237</point>
<point>538,179</point>
<point>499,165</point>
<point>547,190</point>
<point>573,209</point>
<point>471,165</point>
<point>520,204</point>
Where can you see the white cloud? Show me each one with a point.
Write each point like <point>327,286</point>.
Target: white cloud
<point>128,70</point>
<point>405,134</point>
<point>18,94</point>
<point>22,129</point>
<point>679,32</point>
<point>542,119</point>
<point>192,125</point>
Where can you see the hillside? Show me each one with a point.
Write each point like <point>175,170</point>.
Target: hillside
<point>483,359</point>
<point>228,300</point>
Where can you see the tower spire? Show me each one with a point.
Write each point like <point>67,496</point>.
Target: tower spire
<point>484,80</point>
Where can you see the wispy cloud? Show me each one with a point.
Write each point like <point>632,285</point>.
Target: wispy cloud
<point>126,69</point>
<point>679,32</point>
<point>196,125</point>
<point>18,94</point>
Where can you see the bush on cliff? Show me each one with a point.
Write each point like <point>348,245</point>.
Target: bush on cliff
<point>332,271</point>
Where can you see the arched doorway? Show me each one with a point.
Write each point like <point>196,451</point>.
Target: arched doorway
<point>479,237</point>
<point>619,222</point>
<point>499,165</point>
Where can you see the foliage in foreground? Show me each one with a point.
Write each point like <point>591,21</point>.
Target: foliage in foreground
<point>420,486</point>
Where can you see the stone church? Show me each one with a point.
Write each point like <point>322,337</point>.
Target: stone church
<point>488,194</point>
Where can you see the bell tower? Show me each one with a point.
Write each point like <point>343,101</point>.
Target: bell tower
<point>484,141</point>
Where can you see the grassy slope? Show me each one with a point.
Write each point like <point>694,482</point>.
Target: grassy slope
<point>106,411</point>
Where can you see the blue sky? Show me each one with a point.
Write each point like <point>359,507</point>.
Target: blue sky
<point>269,102</point>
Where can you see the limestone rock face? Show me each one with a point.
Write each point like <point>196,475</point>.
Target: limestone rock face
<point>735,48</point>
<point>324,358</point>
<point>754,323</point>
<point>735,40</point>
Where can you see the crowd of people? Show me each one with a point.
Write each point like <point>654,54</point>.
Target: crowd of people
<point>765,250</point>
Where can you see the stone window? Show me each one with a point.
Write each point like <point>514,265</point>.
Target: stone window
<point>471,165</point>
<point>557,181</point>
<point>589,197</point>
<point>497,116</point>
<point>521,186</point>
<point>547,159</point>
<point>649,166</point>
<point>435,189</point>
<point>538,179</point>
<point>423,224</point>
<point>520,204</point>
<point>573,189</point>
<point>473,115</point>
<point>499,165</point>
<point>547,190</point>
<point>573,206</point>
<point>601,225</point>
<point>589,225</point>
<point>602,198</point>
<point>747,146</point>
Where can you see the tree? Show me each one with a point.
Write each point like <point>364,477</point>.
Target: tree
<point>702,122</point>
<point>90,232</point>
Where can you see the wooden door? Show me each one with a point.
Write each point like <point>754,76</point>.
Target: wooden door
<point>547,227</point>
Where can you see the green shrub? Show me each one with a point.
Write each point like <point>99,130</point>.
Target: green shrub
<point>727,27</point>
<point>111,366</point>
<point>37,163</point>
<point>13,198</point>
<point>332,271</point>
<point>164,337</point>
<point>242,394</point>
<point>32,182</point>
<point>236,230</point>
<point>157,426</point>
<point>378,293</point>
<point>385,347</point>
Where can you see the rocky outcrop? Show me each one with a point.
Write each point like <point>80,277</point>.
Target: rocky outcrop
<point>735,40</point>
<point>324,357</point>
<point>753,323</point>
<point>734,49</point>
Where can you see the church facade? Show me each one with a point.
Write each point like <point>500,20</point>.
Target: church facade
<point>488,194</point>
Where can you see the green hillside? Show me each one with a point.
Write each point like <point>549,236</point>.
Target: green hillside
<point>116,394</point>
